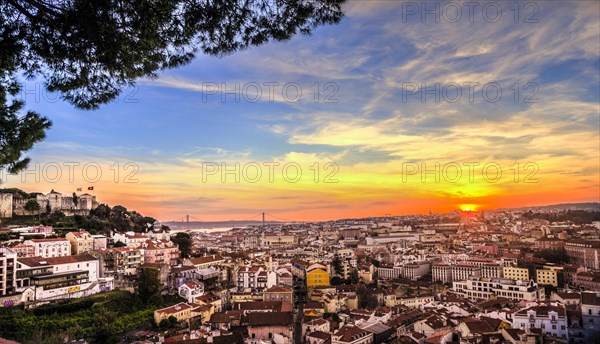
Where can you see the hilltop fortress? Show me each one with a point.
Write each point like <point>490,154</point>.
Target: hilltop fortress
<point>13,203</point>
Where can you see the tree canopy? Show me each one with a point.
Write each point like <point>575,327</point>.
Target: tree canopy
<point>89,51</point>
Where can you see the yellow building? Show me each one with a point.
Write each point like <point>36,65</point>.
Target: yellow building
<point>549,275</point>
<point>181,311</point>
<point>81,242</point>
<point>515,273</point>
<point>317,277</point>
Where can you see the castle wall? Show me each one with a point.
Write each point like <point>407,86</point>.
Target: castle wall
<point>10,206</point>
<point>6,205</point>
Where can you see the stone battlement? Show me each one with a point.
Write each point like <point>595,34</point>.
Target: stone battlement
<point>11,205</point>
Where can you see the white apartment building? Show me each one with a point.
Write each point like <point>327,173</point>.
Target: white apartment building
<point>61,277</point>
<point>8,271</point>
<point>48,248</point>
<point>485,288</point>
<point>551,319</point>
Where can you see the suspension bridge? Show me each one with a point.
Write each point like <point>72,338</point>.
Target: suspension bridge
<point>263,217</point>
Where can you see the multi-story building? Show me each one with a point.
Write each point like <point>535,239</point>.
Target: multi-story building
<point>465,271</point>
<point>491,270</point>
<point>160,252</point>
<point>516,273</point>
<point>317,275</point>
<point>550,275</point>
<point>590,314</point>
<point>389,271</point>
<point>81,242</point>
<point>252,277</point>
<point>22,250</point>
<point>441,272</point>
<point>118,261</point>
<point>485,288</point>
<point>278,239</point>
<point>551,319</point>
<point>61,277</point>
<point>8,271</point>
<point>584,252</point>
<point>48,248</point>
<point>416,270</point>
<point>549,244</point>
<point>587,280</point>
<point>131,239</point>
<point>277,293</point>
<point>206,262</point>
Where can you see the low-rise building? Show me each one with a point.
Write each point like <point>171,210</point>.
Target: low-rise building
<point>552,320</point>
<point>485,288</point>
<point>81,242</point>
<point>48,248</point>
<point>118,261</point>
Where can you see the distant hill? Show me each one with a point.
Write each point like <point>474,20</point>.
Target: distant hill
<point>590,206</point>
<point>213,224</point>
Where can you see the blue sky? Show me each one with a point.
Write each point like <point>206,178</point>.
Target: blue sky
<point>169,126</point>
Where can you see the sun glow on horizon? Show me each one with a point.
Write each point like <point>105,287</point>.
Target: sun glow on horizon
<point>469,207</point>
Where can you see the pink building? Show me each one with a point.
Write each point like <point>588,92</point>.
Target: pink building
<point>22,251</point>
<point>269,325</point>
<point>160,252</point>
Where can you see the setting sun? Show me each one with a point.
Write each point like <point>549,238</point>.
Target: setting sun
<point>468,207</point>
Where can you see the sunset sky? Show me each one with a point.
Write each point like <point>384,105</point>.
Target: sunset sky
<point>368,124</point>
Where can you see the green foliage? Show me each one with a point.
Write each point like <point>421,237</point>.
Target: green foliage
<point>63,309</point>
<point>336,262</point>
<point>120,244</point>
<point>149,286</point>
<point>164,324</point>
<point>184,242</point>
<point>32,205</point>
<point>111,44</point>
<point>353,278</point>
<point>18,133</point>
<point>337,280</point>
<point>366,298</point>
<point>112,314</point>
<point>553,256</point>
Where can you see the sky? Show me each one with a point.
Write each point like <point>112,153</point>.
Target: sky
<point>401,108</point>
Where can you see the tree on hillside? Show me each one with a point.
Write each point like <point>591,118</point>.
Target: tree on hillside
<point>184,242</point>
<point>149,286</point>
<point>18,133</point>
<point>366,298</point>
<point>32,206</point>
<point>336,262</point>
<point>354,277</point>
<point>119,243</point>
<point>90,51</point>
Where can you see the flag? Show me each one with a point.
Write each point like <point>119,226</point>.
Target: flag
<point>91,188</point>
<point>79,189</point>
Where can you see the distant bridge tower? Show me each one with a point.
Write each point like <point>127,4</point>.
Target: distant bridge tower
<point>187,218</point>
<point>263,218</point>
